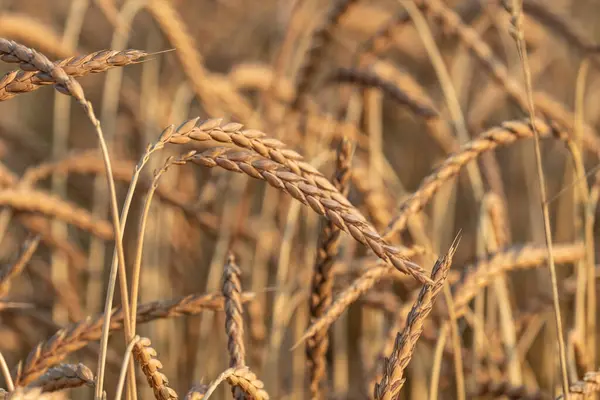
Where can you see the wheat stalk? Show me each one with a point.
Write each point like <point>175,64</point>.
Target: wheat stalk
<point>519,36</point>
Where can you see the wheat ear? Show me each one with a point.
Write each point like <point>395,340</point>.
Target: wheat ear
<point>146,356</point>
<point>64,376</point>
<point>234,322</point>
<point>243,378</point>
<point>393,378</point>
<point>339,210</point>
<point>30,60</point>
<point>322,276</point>
<point>16,82</point>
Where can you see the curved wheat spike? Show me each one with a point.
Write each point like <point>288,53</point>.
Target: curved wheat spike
<point>11,271</point>
<point>75,336</point>
<point>508,133</point>
<point>64,376</point>
<point>320,39</point>
<point>320,194</point>
<point>16,82</point>
<point>394,366</point>
<point>322,276</point>
<point>335,208</point>
<point>251,139</point>
<point>146,356</point>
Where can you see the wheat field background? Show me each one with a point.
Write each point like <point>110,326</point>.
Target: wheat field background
<point>293,199</point>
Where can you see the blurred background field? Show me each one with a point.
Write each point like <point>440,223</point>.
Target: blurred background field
<point>368,78</point>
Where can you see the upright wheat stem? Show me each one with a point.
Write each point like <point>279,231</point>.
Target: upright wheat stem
<point>519,35</point>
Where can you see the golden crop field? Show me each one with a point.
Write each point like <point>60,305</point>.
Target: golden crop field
<point>299,199</point>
